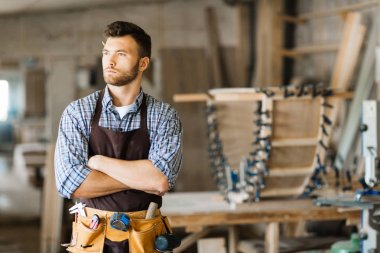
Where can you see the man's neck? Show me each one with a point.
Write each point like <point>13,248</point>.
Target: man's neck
<point>124,95</point>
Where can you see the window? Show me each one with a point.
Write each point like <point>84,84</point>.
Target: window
<point>4,100</point>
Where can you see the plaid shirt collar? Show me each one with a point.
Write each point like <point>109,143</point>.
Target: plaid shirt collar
<point>108,105</point>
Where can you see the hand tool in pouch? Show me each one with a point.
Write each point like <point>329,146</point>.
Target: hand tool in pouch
<point>120,221</point>
<point>78,208</point>
<point>166,243</point>
<point>162,243</point>
<point>151,212</point>
<point>94,221</point>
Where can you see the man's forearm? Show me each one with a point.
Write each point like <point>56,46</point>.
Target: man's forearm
<point>140,174</point>
<point>98,184</point>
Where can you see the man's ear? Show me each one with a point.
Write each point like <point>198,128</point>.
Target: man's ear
<point>144,63</point>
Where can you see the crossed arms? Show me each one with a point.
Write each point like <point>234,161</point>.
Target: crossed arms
<point>116,175</point>
<point>79,176</point>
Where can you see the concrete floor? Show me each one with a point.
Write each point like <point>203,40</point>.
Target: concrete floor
<point>19,211</point>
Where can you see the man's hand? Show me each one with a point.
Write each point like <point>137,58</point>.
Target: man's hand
<point>93,162</point>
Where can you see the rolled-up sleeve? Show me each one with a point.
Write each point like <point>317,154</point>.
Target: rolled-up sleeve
<point>71,154</point>
<point>166,149</point>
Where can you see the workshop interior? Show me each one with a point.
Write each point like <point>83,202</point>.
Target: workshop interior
<point>278,101</point>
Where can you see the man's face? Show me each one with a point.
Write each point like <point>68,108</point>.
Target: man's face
<point>120,60</point>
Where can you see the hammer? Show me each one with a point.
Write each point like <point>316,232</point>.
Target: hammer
<point>163,243</point>
<point>151,212</point>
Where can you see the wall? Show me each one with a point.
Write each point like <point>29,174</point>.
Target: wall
<point>79,33</point>
<point>323,31</point>
<point>62,42</point>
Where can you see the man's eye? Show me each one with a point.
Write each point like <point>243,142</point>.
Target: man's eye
<point>105,53</point>
<point>122,54</point>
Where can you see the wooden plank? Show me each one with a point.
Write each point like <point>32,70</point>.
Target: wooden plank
<point>232,239</point>
<point>277,42</point>
<point>190,239</point>
<point>189,209</point>
<point>242,52</point>
<point>231,67</point>
<point>378,65</point>
<point>269,38</point>
<point>321,14</point>
<point>289,142</point>
<point>272,237</point>
<point>185,70</point>
<point>378,71</point>
<point>283,192</point>
<point>35,93</point>
<point>191,97</point>
<point>296,122</point>
<point>214,47</point>
<point>284,186</point>
<point>304,50</point>
<point>236,129</point>
<point>212,245</point>
<point>248,96</point>
<point>286,172</point>
<point>363,88</point>
<point>52,206</point>
<point>345,63</point>
<point>292,157</point>
<point>348,53</point>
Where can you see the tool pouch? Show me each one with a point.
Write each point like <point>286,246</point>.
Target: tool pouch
<point>85,239</point>
<point>144,232</point>
<point>115,235</point>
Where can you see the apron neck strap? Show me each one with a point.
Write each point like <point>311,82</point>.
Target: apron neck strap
<point>98,111</point>
<point>98,108</point>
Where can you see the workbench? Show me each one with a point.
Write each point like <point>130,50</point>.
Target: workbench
<point>199,212</point>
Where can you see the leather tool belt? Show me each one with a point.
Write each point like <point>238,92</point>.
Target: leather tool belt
<point>141,232</point>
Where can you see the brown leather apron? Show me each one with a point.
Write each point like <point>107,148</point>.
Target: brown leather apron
<point>132,145</point>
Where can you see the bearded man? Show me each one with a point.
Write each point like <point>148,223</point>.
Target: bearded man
<point>118,149</point>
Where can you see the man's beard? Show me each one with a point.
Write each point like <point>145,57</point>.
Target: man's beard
<point>124,78</point>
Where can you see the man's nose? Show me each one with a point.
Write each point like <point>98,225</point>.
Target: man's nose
<point>111,61</point>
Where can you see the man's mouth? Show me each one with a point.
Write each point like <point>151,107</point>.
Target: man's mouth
<point>111,71</point>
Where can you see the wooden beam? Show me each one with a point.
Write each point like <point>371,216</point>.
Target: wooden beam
<point>214,47</point>
<point>314,49</point>
<point>292,19</point>
<point>269,37</point>
<point>294,142</point>
<point>345,63</point>
<point>212,245</point>
<point>363,88</point>
<point>285,172</point>
<point>272,237</point>
<point>189,209</point>
<point>52,208</point>
<point>232,239</point>
<point>251,96</point>
<point>191,97</point>
<point>242,50</point>
<point>326,13</point>
<point>190,239</point>
<point>348,53</point>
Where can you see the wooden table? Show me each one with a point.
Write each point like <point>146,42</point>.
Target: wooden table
<point>198,212</point>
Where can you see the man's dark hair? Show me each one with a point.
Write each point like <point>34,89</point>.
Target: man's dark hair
<point>121,28</point>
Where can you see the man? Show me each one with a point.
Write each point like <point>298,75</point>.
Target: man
<point>119,149</point>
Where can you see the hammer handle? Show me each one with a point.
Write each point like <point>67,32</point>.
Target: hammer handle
<point>150,213</point>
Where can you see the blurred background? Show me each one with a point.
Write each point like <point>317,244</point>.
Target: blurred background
<point>50,55</point>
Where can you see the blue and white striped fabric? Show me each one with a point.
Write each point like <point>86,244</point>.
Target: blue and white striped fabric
<point>71,154</point>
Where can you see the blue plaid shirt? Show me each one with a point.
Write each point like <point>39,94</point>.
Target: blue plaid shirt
<point>71,153</point>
